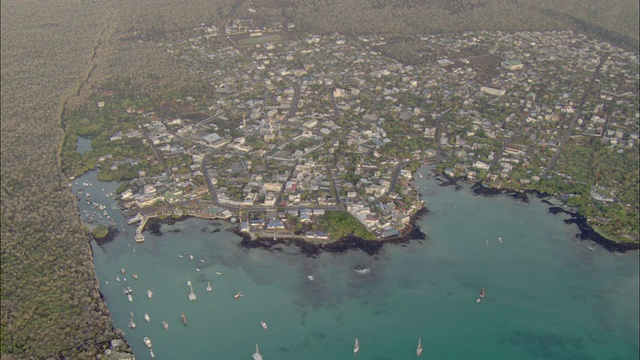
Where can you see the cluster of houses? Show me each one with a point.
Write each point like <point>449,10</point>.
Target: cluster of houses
<point>314,123</point>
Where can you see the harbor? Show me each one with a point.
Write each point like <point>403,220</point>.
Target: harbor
<point>316,307</point>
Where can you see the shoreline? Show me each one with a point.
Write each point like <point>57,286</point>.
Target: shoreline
<point>308,248</point>
<point>412,231</point>
<point>342,245</point>
<point>586,232</point>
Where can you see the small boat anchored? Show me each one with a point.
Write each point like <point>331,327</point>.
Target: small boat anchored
<point>147,341</point>
<point>147,318</point>
<point>356,346</point>
<point>257,355</point>
<point>263,324</point>
<point>209,288</point>
<point>192,296</point>
<point>149,293</point>
<point>481,295</point>
<point>166,324</point>
<point>238,295</point>
<point>419,349</point>
<point>184,319</point>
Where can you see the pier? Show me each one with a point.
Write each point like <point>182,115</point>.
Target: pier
<point>139,237</point>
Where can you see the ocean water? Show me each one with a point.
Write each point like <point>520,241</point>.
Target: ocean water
<point>548,295</point>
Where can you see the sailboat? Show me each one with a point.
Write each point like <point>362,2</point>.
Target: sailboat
<point>209,288</point>
<point>257,355</point>
<point>419,349</point>
<point>356,347</point>
<point>192,296</point>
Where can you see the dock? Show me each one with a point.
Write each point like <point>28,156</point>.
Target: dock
<point>143,221</point>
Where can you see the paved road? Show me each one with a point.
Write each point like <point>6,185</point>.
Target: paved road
<point>578,112</point>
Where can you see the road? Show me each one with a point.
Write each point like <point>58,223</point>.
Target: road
<point>578,112</point>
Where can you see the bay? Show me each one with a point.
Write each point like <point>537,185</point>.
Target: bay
<point>548,294</point>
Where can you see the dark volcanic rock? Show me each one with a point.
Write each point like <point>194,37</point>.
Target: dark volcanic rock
<point>108,238</point>
<point>371,247</point>
<point>587,232</point>
<point>153,226</point>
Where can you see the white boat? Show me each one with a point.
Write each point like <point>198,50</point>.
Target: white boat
<point>147,341</point>
<point>362,271</point>
<point>209,288</point>
<point>191,257</point>
<point>257,355</point>
<point>419,349</point>
<point>356,346</point>
<point>238,295</point>
<point>165,325</point>
<point>122,271</point>
<point>263,324</point>
<point>135,276</point>
<point>149,293</point>
<point>500,240</point>
<point>218,273</point>
<point>131,324</point>
<point>181,257</point>
<point>130,298</point>
<point>310,277</point>
<point>134,219</point>
<point>151,353</point>
<point>192,296</point>
<point>188,282</point>
<point>117,277</point>
<point>147,318</point>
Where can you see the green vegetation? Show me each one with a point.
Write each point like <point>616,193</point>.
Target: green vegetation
<point>117,160</point>
<point>341,224</point>
<point>100,231</point>
<point>607,169</point>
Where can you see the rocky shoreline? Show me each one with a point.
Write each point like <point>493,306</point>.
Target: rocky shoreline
<point>344,244</point>
<point>586,231</point>
<point>107,238</point>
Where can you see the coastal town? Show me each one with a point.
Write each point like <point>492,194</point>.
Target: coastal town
<point>290,126</point>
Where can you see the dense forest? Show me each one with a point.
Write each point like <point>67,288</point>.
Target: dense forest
<point>56,54</point>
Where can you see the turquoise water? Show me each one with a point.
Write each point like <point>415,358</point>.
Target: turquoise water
<point>548,295</point>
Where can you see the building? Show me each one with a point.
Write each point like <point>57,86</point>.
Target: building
<point>493,91</point>
<point>512,65</point>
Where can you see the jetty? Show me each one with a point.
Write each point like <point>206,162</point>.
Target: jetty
<point>143,221</point>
